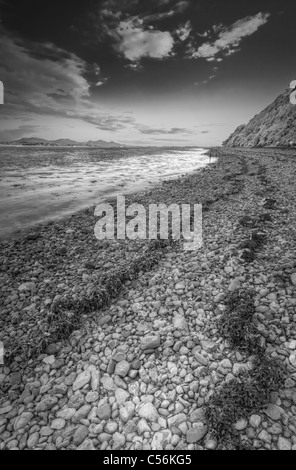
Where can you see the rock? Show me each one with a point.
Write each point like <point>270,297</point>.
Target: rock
<point>119,357</point>
<point>66,414</point>
<point>22,421</point>
<point>161,439</point>
<point>148,412</point>
<point>104,412</point>
<point>121,396</point>
<point>293,279</point>
<point>80,435</point>
<point>180,323</point>
<point>27,286</point>
<point>292,360</point>
<point>180,286</point>
<point>284,444</point>
<point>201,359</point>
<point>58,424</point>
<point>82,413</point>
<point>150,342</point>
<point>118,441</point>
<point>197,416</point>
<point>234,285</point>
<point>219,298</point>
<point>122,369</point>
<point>33,440</point>
<point>52,349</point>
<point>136,364</point>
<point>86,445</point>
<point>46,404</point>
<point>264,436</point>
<point>82,380</point>
<point>274,412</point>
<point>143,426</point>
<point>241,424</point>
<point>107,383</point>
<point>255,421</point>
<point>5,410</point>
<point>95,380</point>
<point>196,433</point>
<point>176,420</point>
<point>49,360</point>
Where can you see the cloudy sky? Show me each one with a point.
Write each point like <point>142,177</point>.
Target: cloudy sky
<point>157,72</point>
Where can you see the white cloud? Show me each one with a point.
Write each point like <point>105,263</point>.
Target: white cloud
<point>184,31</point>
<point>43,80</point>
<point>230,38</point>
<point>136,43</point>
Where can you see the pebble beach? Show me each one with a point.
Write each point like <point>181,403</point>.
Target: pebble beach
<point>145,370</point>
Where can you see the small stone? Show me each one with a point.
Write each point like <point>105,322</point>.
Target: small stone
<point>180,323</point>
<point>66,414</point>
<point>255,421</point>
<point>240,425</point>
<point>49,360</point>
<point>143,426</point>
<point>150,342</point>
<point>293,279</point>
<point>82,380</point>
<point>201,359</point>
<point>118,441</point>
<point>197,416</point>
<point>234,285</point>
<point>52,349</point>
<point>22,420</point>
<point>33,440</point>
<point>80,435</point>
<point>121,396</point>
<point>176,420</point>
<point>196,433</point>
<point>161,440</point>
<point>274,412</point>
<point>148,411</point>
<point>86,445</point>
<point>46,404</point>
<point>122,369</point>
<point>104,412</point>
<point>108,383</point>
<point>58,424</point>
<point>284,444</point>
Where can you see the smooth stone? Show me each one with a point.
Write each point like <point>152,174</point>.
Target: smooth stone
<point>46,404</point>
<point>122,369</point>
<point>81,380</point>
<point>86,445</point>
<point>150,342</point>
<point>196,433</point>
<point>104,412</point>
<point>148,411</point>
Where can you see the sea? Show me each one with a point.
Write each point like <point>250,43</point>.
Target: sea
<point>38,184</point>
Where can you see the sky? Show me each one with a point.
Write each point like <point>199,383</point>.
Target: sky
<point>139,72</point>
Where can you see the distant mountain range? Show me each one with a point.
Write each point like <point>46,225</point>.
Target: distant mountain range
<point>275,126</point>
<point>63,143</point>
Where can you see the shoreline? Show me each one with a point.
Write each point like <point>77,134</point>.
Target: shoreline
<point>62,212</point>
<point>178,302</point>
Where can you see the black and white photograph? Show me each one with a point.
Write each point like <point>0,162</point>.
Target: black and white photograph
<point>147,228</point>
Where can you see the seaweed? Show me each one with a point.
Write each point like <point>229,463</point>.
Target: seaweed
<point>247,394</point>
<point>236,324</point>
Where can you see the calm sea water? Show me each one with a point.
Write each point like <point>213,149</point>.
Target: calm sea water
<point>39,184</point>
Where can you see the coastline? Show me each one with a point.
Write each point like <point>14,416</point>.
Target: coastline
<point>179,301</point>
<point>49,194</point>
